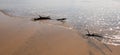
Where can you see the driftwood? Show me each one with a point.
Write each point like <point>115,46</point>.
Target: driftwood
<point>42,18</point>
<point>93,34</point>
<point>61,19</point>
<point>48,18</point>
<point>99,36</point>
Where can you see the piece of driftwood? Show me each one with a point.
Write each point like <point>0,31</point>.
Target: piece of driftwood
<point>61,19</point>
<point>42,18</point>
<point>93,34</point>
<point>99,36</point>
<point>48,18</point>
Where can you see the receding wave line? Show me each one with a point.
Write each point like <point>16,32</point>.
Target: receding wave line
<point>7,14</point>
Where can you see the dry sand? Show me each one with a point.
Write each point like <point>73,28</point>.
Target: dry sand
<point>21,36</point>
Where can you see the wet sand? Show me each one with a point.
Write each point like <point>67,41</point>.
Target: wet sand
<point>21,36</point>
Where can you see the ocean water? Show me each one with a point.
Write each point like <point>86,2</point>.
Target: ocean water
<point>97,16</point>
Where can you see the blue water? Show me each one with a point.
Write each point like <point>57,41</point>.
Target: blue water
<point>102,17</point>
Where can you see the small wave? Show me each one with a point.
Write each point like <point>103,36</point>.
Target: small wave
<point>5,13</point>
<point>11,13</point>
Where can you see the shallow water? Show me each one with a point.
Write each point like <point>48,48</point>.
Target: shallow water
<point>102,17</point>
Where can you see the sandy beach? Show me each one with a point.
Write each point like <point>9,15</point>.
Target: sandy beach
<point>25,37</point>
<point>21,36</point>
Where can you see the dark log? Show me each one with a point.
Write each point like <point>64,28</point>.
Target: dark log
<point>42,18</point>
<point>93,34</point>
<point>62,19</point>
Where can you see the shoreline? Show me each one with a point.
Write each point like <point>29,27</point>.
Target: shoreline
<point>6,13</point>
